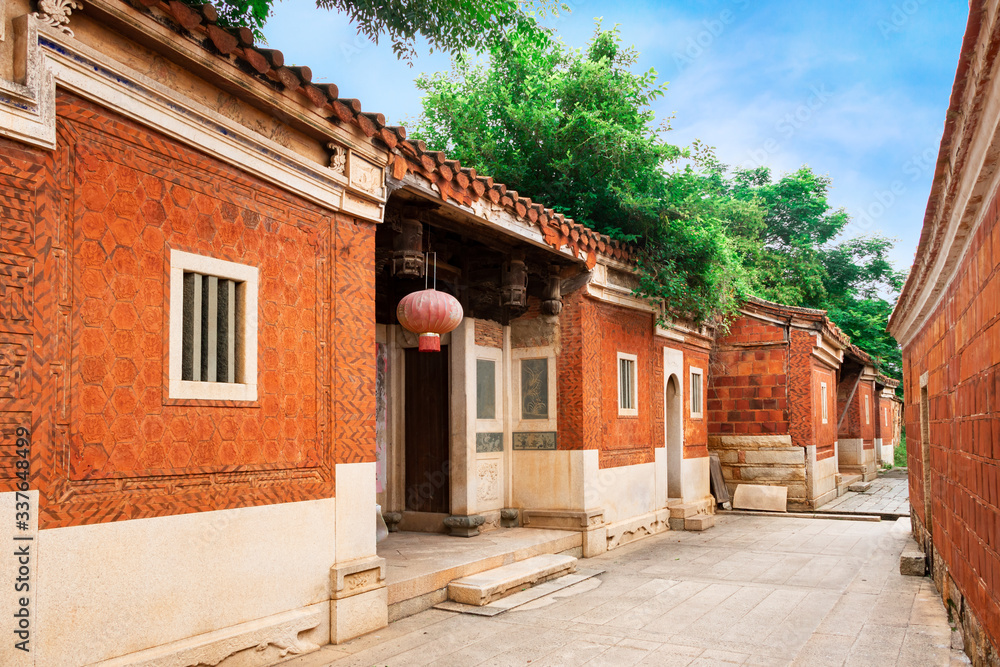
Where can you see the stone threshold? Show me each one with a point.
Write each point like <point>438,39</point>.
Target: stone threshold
<point>522,597</point>
<point>806,515</point>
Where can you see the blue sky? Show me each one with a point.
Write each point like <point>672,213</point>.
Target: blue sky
<point>856,90</point>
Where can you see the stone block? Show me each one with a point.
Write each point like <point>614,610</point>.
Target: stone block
<point>774,473</point>
<point>860,487</point>
<point>485,587</point>
<point>761,497</point>
<point>358,615</point>
<point>792,457</point>
<point>912,562</point>
<point>699,522</point>
<point>685,510</point>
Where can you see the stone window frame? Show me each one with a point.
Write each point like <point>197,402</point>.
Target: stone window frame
<point>700,413</point>
<point>624,411</point>
<point>177,388</point>
<point>824,394</point>
<point>517,419</point>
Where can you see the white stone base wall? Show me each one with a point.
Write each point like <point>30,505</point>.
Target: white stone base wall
<point>856,460</point>
<point>822,479</point>
<point>204,588</point>
<point>612,505</point>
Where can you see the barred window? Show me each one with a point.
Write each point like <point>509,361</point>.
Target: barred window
<point>696,392</point>
<point>212,346</point>
<point>213,329</point>
<point>628,399</point>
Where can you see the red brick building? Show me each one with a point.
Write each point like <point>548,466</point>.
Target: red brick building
<point>857,416</point>
<point>206,385</point>
<point>946,322</point>
<point>772,401</point>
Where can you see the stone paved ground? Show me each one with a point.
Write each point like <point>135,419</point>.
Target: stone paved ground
<point>889,494</point>
<point>751,591</point>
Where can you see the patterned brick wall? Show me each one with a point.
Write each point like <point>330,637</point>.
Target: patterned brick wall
<point>92,292</point>
<point>748,392</point>
<point>825,435</point>
<point>489,334</point>
<point>592,334</point>
<point>958,349</point>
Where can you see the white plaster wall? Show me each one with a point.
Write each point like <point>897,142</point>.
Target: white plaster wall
<point>623,492</point>
<point>110,589</point>
<point>850,451</point>
<point>550,479</point>
<point>888,453</point>
<point>660,463</point>
<point>825,474</point>
<point>355,524</point>
<point>694,481</point>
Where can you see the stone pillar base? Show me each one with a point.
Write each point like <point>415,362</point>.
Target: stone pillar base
<point>465,526</point>
<point>589,522</point>
<point>360,601</point>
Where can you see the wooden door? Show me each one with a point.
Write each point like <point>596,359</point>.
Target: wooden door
<point>427,430</point>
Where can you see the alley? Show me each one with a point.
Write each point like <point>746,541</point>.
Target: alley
<point>753,591</point>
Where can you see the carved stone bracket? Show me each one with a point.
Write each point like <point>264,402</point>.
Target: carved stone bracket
<point>357,576</point>
<point>465,526</point>
<point>56,13</point>
<point>338,158</point>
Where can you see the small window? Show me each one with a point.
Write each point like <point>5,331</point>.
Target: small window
<point>628,394</point>
<point>824,402</point>
<point>212,343</point>
<point>213,329</point>
<point>868,416</point>
<point>696,392</point>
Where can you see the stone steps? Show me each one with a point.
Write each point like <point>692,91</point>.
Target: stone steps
<point>486,587</point>
<point>699,522</point>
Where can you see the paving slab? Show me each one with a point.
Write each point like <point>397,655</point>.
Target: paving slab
<point>887,496</point>
<point>826,593</point>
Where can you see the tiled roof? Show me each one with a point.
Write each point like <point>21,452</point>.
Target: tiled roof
<point>813,314</point>
<point>455,182</point>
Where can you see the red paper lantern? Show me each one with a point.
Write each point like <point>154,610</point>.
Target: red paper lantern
<point>429,313</point>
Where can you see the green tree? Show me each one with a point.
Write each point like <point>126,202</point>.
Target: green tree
<point>451,26</point>
<point>794,257</point>
<point>574,128</point>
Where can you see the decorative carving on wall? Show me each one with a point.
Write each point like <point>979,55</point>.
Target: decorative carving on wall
<point>487,443</point>
<point>56,13</point>
<point>487,481</point>
<point>534,389</point>
<point>535,440</point>
<point>230,107</point>
<point>366,176</point>
<point>338,158</point>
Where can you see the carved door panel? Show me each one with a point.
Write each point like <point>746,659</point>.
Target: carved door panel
<point>427,431</point>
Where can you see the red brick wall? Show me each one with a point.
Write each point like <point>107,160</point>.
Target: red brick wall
<point>625,440</point>
<point>825,435</point>
<point>489,334</point>
<point>959,348</point>
<point>748,385</point>
<point>108,205</point>
<point>591,336</point>
<point>695,430</point>
<point>855,424</point>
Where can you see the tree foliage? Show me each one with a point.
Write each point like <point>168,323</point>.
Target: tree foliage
<point>450,26</point>
<point>573,128</point>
